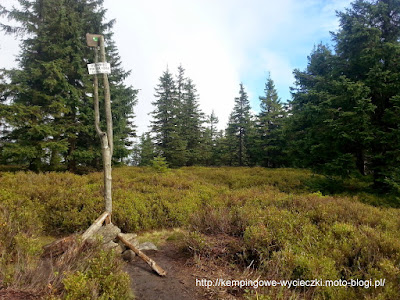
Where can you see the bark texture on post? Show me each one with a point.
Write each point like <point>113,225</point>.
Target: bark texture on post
<point>106,138</point>
<point>107,99</point>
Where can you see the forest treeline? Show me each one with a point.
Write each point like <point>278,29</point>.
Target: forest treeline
<point>342,120</point>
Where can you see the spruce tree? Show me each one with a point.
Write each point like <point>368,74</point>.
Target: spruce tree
<point>330,123</point>
<point>269,136</point>
<point>165,124</point>
<point>180,84</point>
<point>49,106</point>
<point>164,113</point>
<point>239,130</point>
<point>189,117</point>
<point>178,120</point>
<point>221,155</point>
<point>212,120</point>
<point>146,150</point>
<point>209,140</point>
<point>192,119</point>
<point>368,47</point>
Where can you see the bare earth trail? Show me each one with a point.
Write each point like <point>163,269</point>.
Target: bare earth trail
<point>179,284</point>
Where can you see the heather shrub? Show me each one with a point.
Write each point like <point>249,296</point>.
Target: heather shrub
<point>279,221</point>
<point>20,237</point>
<point>100,278</point>
<point>64,203</point>
<point>286,180</point>
<point>308,236</point>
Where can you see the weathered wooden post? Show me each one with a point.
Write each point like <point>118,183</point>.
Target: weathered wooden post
<point>106,138</point>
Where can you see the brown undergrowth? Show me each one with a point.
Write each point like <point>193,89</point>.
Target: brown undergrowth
<point>83,271</point>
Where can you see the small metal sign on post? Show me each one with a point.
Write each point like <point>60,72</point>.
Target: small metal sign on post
<point>106,138</point>
<point>92,40</point>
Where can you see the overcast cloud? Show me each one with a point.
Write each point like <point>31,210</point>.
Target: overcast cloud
<point>220,43</point>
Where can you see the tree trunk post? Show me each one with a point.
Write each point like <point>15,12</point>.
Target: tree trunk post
<point>106,138</point>
<point>108,141</point>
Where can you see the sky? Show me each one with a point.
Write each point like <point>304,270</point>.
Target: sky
<point>219,43</point>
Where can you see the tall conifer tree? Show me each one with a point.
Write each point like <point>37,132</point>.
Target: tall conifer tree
<point>166,123</point>
<point>49,106</point>
<point>330,120</point>
<point>192,120</point>
<point>368,47</point>
<point>178,120</point>
<point>209,143</point>
<point>239,129</point>
<point>269,138</point>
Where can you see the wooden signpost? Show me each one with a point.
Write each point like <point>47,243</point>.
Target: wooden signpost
<point>106,138</point>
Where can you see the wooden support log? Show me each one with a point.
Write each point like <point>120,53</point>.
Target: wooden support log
<point>95,226</point>
<point>160,271</point>
<point>59,246</point>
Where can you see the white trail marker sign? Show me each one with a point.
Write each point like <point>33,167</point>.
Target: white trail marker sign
<point>99,68</point>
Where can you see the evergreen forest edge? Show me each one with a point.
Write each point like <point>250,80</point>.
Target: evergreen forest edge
<point>342,120</point>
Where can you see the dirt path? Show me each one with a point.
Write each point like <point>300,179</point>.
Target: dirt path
<point>179,284</point>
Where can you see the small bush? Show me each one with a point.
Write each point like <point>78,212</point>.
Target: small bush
<point>100,278</point>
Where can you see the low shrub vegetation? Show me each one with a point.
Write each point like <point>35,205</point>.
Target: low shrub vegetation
<point>274,220</point>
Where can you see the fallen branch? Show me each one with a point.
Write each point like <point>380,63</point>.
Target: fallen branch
<point>160,271</point>
<point>60,246</point>
<point>95,226</point>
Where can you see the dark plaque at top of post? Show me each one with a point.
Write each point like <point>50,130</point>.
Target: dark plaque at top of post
<point>93,40</point>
